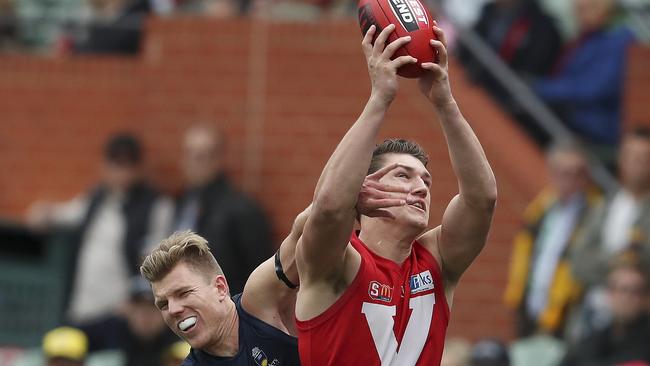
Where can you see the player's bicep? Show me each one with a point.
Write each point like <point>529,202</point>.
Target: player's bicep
<point>321,249</point>
<point>263,292</point>
<point>463,234</point>
<point>266,294</point>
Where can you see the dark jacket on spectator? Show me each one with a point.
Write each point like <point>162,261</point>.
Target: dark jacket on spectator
<point>588,83</point>
<point>113,333</point>
<point>237,230</point>
<point>123,35</point>
<point>137,210</point>
<point>523,36</point>
<point>605,348</point>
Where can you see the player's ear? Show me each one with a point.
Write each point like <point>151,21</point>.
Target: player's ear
<point>220,284</point>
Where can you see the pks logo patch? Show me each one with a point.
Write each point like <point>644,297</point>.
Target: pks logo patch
<point>420,282</point>
<point>379,291</point>
<point>411,14</point>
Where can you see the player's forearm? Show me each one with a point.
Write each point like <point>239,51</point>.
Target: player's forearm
<point>299,223</point>
<point>342,177</point>
<point>476,180</point>
<point>288,246</point>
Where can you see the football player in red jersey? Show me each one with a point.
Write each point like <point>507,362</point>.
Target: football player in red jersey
<point>382,296</point>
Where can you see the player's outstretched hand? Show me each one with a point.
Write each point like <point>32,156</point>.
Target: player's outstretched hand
<point>375,197</point>
<point>383,70</point>
<point>434,84</point>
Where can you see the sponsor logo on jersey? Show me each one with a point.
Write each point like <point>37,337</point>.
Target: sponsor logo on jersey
<point>260,358</point>
<point>410,13</point>
<point>422,281</point>
<point>379,291</point>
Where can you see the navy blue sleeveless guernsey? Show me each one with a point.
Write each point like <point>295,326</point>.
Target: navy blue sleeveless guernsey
<point>260,344</point>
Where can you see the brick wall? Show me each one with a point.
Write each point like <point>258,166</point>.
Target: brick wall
<point>283,93</point>
<point>637,97</point>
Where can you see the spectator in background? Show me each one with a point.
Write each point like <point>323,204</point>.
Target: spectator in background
<point>216,8</point>
<point>289,10</point>
<point>40,23</point>
<point>65,346</point>
<point>113,224</point>
<point>623,220</point>
<point>562,13</point>
<point>538,350</point>
<point>489,352</point>
<point>463,14</point>
<point>526,40</point>
<point>586,85</point>
<point>176,353</point>
<point>139,331</point>
<point>541,289</point>
<point>7,25</point>
<point>116,26</point>
<point>303,10</point>
<point>625,338</point>
<point>521,34</point>
<point>237,230</point>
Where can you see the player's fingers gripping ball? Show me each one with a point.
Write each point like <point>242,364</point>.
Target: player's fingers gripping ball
<point>411,18</point>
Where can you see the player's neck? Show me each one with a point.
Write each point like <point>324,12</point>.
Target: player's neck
<point>227,344</point>
<point>388,241</point>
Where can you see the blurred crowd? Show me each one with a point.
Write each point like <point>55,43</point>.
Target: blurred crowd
<point>110,228</point>
<point>580,266</point>
<point>570,53</point>
<point>579,280</point>
<point>578,283</point>
<point>575,64</point>
<point>115,26</point>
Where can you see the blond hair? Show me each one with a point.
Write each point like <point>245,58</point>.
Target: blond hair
<point>181,247</point>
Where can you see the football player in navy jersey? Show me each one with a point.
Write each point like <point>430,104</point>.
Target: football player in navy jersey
<point>255,327</point>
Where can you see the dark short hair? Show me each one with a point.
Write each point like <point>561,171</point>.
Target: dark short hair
<point>396,146</point>
<point>123,149</point>
<point>642,132</point>
<point>633,258</point>
<point>490,352</point>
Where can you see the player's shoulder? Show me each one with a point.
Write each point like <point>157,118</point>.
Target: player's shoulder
<point>430,241</point>
<point>263,343</point>
<point>253,328</point>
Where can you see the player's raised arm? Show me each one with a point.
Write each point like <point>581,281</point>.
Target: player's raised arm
<point>321,254</point>
<point>467,219</point>
<point>271,289</point>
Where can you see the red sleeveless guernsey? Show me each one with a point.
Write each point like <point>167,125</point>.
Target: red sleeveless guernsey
<point>389,315</point>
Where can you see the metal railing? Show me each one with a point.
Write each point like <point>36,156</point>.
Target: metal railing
<point>519,91</point>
